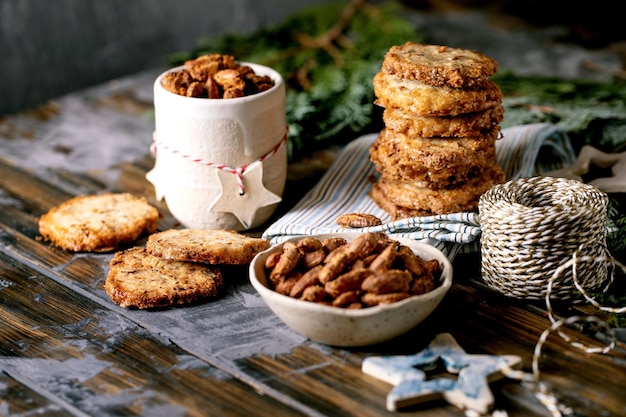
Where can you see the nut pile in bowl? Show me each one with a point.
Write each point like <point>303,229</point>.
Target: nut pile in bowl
<point>361,293</point>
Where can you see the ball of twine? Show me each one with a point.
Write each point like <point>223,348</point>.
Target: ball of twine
<point>531,226</point>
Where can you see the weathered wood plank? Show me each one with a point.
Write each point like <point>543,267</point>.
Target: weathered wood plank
<point>236,326</point>
<point>333,386</point>
<point>100,363</point>
<point>238,335</point>
<point>19,399</point>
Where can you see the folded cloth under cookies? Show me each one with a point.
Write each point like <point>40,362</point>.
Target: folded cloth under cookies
<point>523,151</point>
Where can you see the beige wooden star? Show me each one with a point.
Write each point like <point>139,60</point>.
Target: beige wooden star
<point>243,206</point>
<point>590,157</point>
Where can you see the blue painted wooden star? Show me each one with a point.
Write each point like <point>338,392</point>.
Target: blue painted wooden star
<point>470,390</point>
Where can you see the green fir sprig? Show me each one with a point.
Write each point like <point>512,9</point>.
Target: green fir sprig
<point>591,112</point>
<point>328,55</point>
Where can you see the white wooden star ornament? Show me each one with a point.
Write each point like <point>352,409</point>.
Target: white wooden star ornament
<point>243,203</point>
<point>469,391</point>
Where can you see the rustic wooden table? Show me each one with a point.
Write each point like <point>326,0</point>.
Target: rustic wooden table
<point>67,350</point>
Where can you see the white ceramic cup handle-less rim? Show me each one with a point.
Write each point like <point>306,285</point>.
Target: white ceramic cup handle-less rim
<point>244,109</point>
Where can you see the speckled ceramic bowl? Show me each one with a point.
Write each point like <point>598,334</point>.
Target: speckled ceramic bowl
<point>348,327</point>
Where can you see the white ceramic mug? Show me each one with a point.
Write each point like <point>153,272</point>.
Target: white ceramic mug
<point>221,163</point>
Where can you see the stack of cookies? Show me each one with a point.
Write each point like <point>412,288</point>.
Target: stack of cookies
<point>437,151</point>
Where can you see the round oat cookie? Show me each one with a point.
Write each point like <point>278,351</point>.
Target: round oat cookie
<point>98,223</point>
<point>212,246</point>
<point>439,65</point>
<point>404,199</point>
<point>436,153</point>
<point>138,279</point>
<point>426,100</point>
<point>463,125</point>
<point>396,212</point>
<point>431,162</point>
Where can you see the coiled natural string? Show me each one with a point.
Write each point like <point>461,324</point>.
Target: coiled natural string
<point>532,226</point>
<point>533,380</point>
<point>545,237</point>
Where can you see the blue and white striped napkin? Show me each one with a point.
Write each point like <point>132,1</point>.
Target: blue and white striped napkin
<point>523,151</point>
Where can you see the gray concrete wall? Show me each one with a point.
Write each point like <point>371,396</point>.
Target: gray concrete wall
<point>51,47</point>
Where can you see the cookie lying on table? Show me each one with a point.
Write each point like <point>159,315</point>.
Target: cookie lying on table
<point>212,246</point>
<point>178,267</point>
<point>98,223</point>
<point>139,279</point>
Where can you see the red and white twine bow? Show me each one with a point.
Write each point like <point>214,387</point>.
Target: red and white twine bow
<point>237,171</point>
